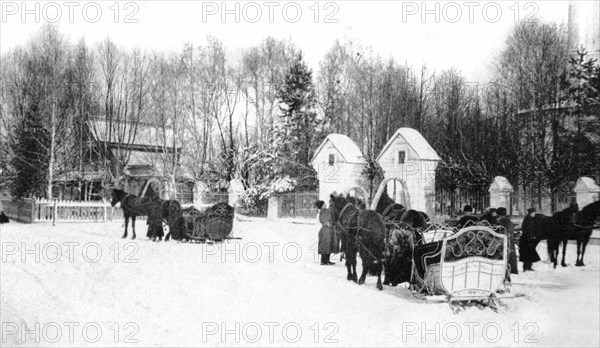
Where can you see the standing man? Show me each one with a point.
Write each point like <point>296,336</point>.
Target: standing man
<point>509,226</point>
<point>528,242</point>
<point>326,235</point>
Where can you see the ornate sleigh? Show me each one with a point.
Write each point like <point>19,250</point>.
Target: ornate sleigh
<point>468,265</point>
<point>213,224</point>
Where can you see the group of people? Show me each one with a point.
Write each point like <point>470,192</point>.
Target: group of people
<point>499,217</point>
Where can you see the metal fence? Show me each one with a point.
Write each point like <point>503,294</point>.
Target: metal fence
<point>449,202</point>
<point>298,204</point>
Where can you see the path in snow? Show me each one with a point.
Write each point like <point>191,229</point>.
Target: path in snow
<point>261,290</point>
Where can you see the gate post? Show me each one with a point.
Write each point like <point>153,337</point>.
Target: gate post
<point>54,213</point>
<point>104,211</point>
<point>32,211</point>
<point>236,189</point>
<point>587,191</point>
<point>273,208</point>
<point>500,192</point>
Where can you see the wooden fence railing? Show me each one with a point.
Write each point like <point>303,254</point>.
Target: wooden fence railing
<point>30,211</point>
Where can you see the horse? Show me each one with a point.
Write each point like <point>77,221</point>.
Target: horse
<point>388,208</point>
<point>172,215</point>
<point>363,232</point>
<point>134,206</point>
<point>402,236</point>
<point>568,224</point>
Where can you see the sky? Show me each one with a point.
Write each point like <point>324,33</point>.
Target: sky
<point>465,35</point>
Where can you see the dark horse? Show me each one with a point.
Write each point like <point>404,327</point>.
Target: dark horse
<point>566,225</point>
<point>363,231</point>
<point>403,235</point>
<point>388,208</point>
<point>134,206</point>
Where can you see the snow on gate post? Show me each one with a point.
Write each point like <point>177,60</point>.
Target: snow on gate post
<point>200,190</point>
<point>500,192</point>
<point>236,189</point>
<point>273,208</point>
<point>587,191</point>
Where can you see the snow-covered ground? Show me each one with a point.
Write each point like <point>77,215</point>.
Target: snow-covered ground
<point>88,287</point>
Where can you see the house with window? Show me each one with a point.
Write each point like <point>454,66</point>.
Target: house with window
<point>408,157</point>
<point>135,152</point>
<point>339,163</point>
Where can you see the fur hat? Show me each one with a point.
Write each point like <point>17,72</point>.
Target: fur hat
<point>501,211</point>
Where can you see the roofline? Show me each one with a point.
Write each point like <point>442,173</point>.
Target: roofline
<point>396,134</point>
<point>338,150</point>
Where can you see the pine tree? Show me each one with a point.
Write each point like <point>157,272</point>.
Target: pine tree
<point>295,136</point>
<point>31,156</point>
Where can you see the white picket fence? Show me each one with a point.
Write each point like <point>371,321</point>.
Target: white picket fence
<point>55,211</point>
<point>73,211</point>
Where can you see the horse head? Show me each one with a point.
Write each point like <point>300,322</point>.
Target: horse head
<point>414,219</point>
<point>355,201</point>
<point>336,205</point>
<point>117,196</point>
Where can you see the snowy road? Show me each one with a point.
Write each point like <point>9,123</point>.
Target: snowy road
<point>81,285</point>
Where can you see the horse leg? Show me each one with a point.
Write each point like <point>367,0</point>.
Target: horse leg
<point>348,266</point>
<point>564,252</point>
<point>583,251</point>
<point>126,223</point>
<point>353,263</point>
<point>552,251</point>
<point>133,226</point>
<point>379,271</point>
<point>365,269</point>
<point>579,261</point>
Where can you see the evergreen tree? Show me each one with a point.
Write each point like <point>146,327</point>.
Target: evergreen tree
<point>295,137</point>
<point>31,154</point>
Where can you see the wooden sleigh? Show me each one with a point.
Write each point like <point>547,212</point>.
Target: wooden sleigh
<point>214,224</point>
<point>468,265</point>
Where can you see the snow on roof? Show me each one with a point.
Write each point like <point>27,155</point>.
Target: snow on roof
<point>142,134</point>
<point>345,146</point>
<point>585,184</point>
<point>416,141</point>
<point>501,184</point>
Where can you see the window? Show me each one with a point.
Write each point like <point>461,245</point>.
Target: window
<point>401,157</point>
<point>331,159</point>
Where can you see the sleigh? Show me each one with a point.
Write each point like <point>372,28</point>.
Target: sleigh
<point>214,224</point>
<point>470,264</point>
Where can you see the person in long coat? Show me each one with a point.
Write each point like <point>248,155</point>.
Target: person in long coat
<point>509,226</point>
<point>328,241</point>
<point>527,253</point>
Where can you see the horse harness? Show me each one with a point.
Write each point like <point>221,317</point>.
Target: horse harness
<point>135,210</point>
<point>339,224</point>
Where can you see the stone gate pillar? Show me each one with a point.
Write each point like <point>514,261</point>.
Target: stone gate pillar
<point>200,189</point>
<point>235,192</point>
<point>587,191</point>
<point>500,192</point>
